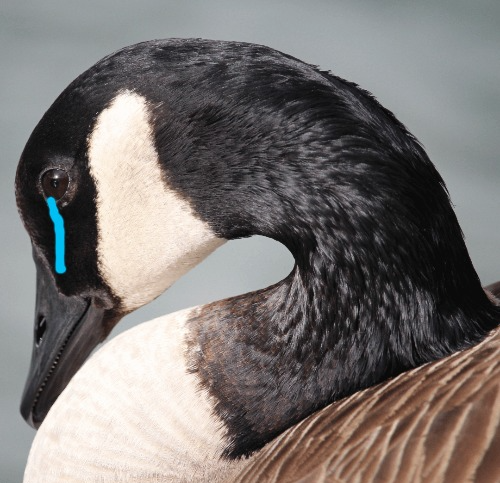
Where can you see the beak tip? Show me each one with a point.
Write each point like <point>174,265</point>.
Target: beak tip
<point>32,422</point>
<point>28,414</point>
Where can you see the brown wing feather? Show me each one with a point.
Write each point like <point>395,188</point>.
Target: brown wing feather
<point>438,423</point>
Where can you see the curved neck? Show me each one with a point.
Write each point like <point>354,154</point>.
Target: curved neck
<point>383,281</point>
<point>357,309</point>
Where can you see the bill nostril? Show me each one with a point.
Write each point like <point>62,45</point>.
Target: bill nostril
<point>40,328</point>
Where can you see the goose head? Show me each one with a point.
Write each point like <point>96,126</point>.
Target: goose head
<point>133,238</point>
<point>164,150</point>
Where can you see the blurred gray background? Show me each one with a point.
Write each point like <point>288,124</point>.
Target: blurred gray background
<point>434,63</point>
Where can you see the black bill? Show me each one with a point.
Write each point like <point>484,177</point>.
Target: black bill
<point>67,329</point>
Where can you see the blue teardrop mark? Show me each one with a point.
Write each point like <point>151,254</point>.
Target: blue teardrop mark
<point>58,221</point>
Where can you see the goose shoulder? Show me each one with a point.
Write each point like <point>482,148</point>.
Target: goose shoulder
<point>439,423</point>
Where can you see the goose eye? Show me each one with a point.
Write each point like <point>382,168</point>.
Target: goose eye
<point>55,183</point>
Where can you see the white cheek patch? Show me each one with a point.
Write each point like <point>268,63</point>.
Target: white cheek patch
<point>148,235</point>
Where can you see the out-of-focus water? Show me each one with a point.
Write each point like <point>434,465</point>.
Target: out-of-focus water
<point>436,64</point>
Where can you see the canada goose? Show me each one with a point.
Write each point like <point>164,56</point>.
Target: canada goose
<point>156,156</point>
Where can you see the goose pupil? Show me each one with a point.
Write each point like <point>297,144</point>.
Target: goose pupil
<point>55,183</point>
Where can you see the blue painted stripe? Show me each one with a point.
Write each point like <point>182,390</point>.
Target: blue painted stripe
<point>58,221</point>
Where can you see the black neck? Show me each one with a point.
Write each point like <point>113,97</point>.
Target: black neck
<point>382,282</point>
<point>357,309</point>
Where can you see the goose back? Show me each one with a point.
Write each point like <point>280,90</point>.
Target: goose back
<point>438,423</point>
